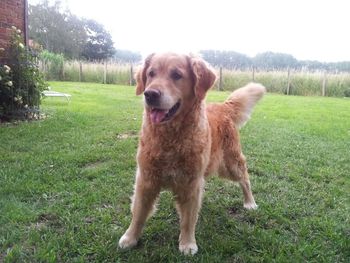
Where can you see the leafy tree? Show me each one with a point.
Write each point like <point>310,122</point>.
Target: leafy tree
<point>127,56</point>
<point>226,59</point>
<point>56,31</point>
<point>340,66</point>
<point>270,60</point>
<point>75,28</point>
<point>62,32</point>
<point>311,65</point>
<point>99,45</point>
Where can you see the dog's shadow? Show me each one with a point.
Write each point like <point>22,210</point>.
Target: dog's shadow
<point>222,216</point>
<point>222,208</point>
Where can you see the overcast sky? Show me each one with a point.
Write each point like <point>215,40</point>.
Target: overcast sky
<point>306,29</point>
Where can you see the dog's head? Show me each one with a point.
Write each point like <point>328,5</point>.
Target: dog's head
<point>171,83</point>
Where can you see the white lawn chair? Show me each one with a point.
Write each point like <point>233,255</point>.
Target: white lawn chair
<point>51,93</point>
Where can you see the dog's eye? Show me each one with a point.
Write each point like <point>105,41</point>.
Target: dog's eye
<point>175,75</point>
<point>151,74</point>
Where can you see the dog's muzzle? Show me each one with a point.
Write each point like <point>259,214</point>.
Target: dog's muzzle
<point>152,97</point>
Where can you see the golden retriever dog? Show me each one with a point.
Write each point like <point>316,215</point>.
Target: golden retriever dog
<point>183,141</point>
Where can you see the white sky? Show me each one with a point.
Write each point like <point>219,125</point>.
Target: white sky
<point>306,29</point>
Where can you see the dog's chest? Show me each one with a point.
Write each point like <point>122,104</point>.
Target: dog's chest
<point>175,162</point>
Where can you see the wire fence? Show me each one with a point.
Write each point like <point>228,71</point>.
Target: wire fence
<point>289,82</point>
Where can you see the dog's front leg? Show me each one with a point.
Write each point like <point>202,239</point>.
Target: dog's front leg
<point>142,206</point>
<point>188,203</point>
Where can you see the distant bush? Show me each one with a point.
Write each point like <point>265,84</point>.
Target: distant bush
<point>21,82</point>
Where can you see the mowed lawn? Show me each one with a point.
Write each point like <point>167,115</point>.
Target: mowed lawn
<point>66,182</point>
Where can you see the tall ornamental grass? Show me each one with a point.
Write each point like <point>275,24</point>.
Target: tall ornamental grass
<point>86,71</point>
<point>301,83</point>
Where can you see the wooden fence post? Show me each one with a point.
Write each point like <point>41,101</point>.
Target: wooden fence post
<point>131,80</point>
<point>80,71</point>
<point>288,84</point>
<point>253,76</point>
<point>220,79</point>
<point>324,83</point>
<point>46,66</point>
<point>63,73</point>
<point>105,72</point>
<point>43,66</point>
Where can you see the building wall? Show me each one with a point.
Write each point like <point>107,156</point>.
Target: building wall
<point>12,13</point>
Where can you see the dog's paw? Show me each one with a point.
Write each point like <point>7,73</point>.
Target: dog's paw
<point>126,242</point>
<point>188,249</point>
<point>250,206</point>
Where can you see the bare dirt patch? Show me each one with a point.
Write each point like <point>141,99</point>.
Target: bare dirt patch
<point>127,135</point>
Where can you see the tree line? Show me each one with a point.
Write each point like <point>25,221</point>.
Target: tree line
<point>61,32</point>
<point>268,61</point>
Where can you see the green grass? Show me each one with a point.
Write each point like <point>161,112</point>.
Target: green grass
<point>66,183</point>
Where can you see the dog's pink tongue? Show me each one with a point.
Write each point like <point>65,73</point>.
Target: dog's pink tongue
<point>157,115</point>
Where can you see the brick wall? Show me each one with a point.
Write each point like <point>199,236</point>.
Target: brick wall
<point>12,13</point>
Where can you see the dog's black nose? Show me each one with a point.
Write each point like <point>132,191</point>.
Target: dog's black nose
<point>152,96</point>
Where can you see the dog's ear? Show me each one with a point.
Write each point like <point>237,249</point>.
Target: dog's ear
<point>204,77</point>
<point>141,76</point>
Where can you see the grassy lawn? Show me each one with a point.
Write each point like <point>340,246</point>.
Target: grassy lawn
<point>66,182</point>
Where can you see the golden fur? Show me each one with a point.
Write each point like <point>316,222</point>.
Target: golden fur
<point>177,151</point>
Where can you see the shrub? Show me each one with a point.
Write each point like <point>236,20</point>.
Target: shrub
<point>21,83</point>
<point>53,65</point>
<point>347,92</point>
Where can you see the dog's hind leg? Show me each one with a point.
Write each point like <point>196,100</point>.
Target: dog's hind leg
<point>143,203</point>
<point>234,168</point>
<point>249,202</point>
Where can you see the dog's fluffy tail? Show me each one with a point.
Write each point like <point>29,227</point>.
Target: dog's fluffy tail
<point>242,101</point>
